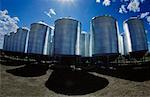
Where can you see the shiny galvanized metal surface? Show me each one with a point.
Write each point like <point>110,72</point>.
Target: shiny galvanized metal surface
<point>8,43</point>
<point>105,35</point>
<point>11,41</point>
<point>50,41</point>
<point>135,36</point>
<point>5,42</point>
<point>38,39</point>
<point>21,36</point>
<point>14,45</point>
<point>121,45</point>
<point>67,37</point>
<point>85,44</point>
<point>37,36</point>
<point>124,44</point>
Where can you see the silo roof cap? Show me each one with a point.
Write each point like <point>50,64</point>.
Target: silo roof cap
<point>25,28</point>
<point>67,18</point>
<point>103,16</point>
<point>131,18</point>
<point>52,27</point>
<point>43,23</point>
<point>11,33</point>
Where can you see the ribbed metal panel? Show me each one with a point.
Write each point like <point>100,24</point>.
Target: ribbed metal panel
<point>14,40</point>
<point>67,37</point>
<point>50,41</point>
<point>105,36</point>
<point>85,44</point>
<point>10,38</point>
<point>135,36</point>
<point>11,41</point>
<point>27,39</point>
<point>5,42</point>
<point>20,38</point>
<point>38,38</point>
<point>125,44</point>
<point>8,43</point>
<point>121,44</point>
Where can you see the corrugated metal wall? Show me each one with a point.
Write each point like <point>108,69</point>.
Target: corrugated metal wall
<point>67,37</point>
<point>105,35</point>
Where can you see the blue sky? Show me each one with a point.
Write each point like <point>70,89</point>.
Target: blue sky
<point>30,11</point>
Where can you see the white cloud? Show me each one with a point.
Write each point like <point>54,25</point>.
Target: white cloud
<point>134,6</point>
<point>148,19</point>
<point>143,15</point>
<point>16,19</point>
<point>7,24</point>
<point>50,13</point>
<point>2,13</point>
<point>106,2</point>
<point>98,1</point>
<point>123,9</point>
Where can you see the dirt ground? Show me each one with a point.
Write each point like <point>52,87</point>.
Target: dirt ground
<point>20,86</point>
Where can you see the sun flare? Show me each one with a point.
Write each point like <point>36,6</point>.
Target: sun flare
<point>66,1</point>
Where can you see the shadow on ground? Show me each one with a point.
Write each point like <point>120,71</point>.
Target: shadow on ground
<point>69,82</point>
<point>30,70</point>
<point>133,73</point>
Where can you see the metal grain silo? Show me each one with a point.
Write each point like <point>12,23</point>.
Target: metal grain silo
<point>21,37</point>
<point>37,42</point>
<point>14,40</point>
<point>8,43</point>
<point>121,44</point>
<point>84,44</point>
<point>11,41</point>
<point>5,42</point>
<point>125,44</point>
<point>50,41</point>
<point>105,38</point>
<point>135,37</point>
<point>67,37</point>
